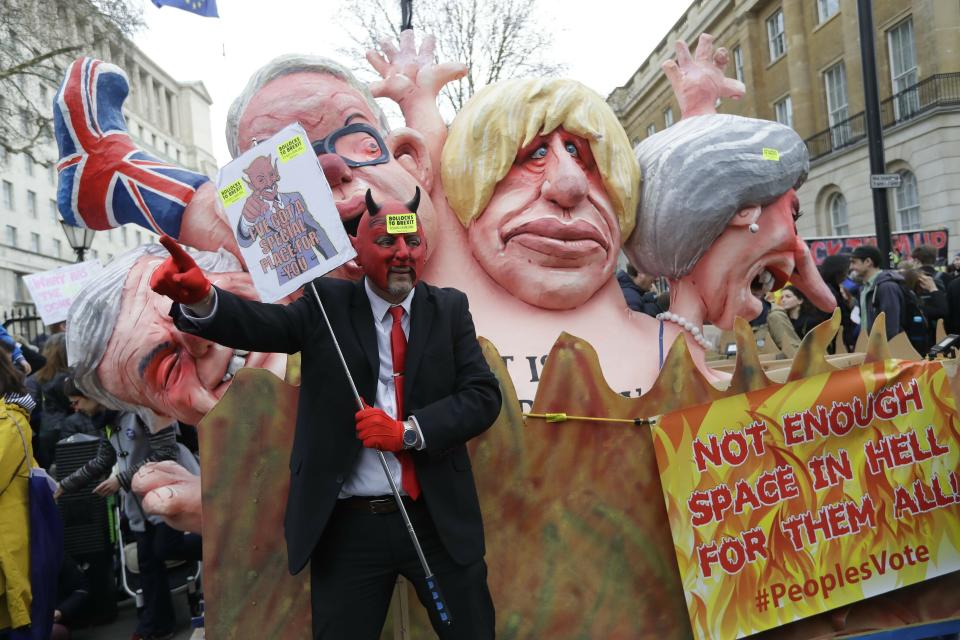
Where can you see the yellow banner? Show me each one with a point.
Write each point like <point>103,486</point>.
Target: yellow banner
<point>806,496</point>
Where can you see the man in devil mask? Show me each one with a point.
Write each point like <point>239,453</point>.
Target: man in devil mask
<point>415,359</point>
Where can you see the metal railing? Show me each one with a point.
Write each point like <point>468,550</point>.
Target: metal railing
<point>23,322</point>
<point>940,90</point>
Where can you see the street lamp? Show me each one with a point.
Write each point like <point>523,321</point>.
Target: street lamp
<point>80,238</point>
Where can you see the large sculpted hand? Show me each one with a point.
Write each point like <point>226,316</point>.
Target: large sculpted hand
<point>411,74</point>
<point>413,80</point>
<point>698,81</point>
<point>168,490</point>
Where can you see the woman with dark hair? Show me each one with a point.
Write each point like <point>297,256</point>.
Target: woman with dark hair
<point>923,294</point>
<point>834,270</point>
<point>16,459</point>
<point>46,387</point>
<point>789,321</point>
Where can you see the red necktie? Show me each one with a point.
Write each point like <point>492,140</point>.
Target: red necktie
<point>398,348</point>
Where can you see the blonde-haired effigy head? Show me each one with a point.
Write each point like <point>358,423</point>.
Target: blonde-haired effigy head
<point>504,117</point>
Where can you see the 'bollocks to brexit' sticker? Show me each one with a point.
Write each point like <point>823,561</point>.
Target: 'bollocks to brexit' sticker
<point>401,223</point>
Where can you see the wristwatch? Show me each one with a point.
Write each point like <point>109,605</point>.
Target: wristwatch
<point>411,437</point>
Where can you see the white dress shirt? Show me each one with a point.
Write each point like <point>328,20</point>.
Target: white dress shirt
<point>367,477</point>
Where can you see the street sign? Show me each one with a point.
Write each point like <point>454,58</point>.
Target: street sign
<point>885,180</point>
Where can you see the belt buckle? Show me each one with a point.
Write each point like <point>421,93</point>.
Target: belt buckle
<point>382,505</point>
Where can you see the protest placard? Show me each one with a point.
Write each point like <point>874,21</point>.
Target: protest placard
<point>282,211</point>
<point>809,495</point>
<point>53,291</point>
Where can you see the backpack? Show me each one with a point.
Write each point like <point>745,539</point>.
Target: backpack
<point>913,320</point>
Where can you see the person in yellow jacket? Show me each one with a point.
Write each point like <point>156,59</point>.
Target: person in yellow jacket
<point>16,459</point>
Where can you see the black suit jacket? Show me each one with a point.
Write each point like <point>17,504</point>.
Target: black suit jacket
<point>448,387</point>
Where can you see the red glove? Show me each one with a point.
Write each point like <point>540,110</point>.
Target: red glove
<point>179,278</point>
<point>377,430</point>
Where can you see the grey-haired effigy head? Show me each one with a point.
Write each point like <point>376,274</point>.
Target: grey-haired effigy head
<point>93,316</point>
<point>697,175</point>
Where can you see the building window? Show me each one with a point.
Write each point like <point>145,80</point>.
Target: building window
<point>784,111</point>
<point>142,134</point>
<point>28,164</point>
<point>839,223</point>
<point>153,140</point>
<point>32,204</point>
<point>738,63</point>
<point>903,69</point>
<point>652,129</point>
<point>835,82</point>
<point>57,248</point>
<point>10,235</point>
<point>54,214</point>
<point>907,202</point>
<point>8,194</point>
<point>35,242</point>
<point>775,35</point>
<point>178,156</point>
<point>166,149</point>
<point>826,8</point>
<point>123,235</point>
<point>139,239</point>
<point>667,117</point>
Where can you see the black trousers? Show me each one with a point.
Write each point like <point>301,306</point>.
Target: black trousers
<point>157,616</point>
<point>356,563</point>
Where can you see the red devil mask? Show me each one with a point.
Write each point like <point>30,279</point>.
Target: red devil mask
<point>390,247</point>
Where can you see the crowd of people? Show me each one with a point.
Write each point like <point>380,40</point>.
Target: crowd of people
<point>42,406</point>
<point>914,295</point>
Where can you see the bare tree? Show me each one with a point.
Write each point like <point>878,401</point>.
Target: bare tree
<point>37,41</point>
<point>496,39</point>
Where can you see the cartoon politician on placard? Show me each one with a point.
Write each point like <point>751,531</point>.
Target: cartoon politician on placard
<point>276,219</point>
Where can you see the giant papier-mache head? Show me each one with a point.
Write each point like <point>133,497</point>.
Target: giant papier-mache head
<point>697,175</point>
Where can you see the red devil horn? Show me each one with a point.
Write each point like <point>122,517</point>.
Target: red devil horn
<point>372,206</point>
<point>413,204</point>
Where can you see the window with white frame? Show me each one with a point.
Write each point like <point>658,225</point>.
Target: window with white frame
<point>903,69</point>
<point>52,209</point>
<point>57,248</point>
<point>738,63</point>
<point>906,201</point>
<point>8,194</point>
<point>835,83</point>
<point>123,235</point>
<point>783,111</point>
<point>826,8</point>
<point>651,129</point>
<point>667,117</point>
<point>839,223</point>
<point>10,235</point>
<point>28,164</point>
<point>32,204</point>
<point>775,35</point>
<point>35,242</point>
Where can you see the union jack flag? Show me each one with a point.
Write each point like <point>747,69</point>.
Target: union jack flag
<point>105,180</point>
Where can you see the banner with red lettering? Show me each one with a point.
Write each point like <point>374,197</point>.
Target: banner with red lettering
<point>902,243</point>
<point>808,495</point>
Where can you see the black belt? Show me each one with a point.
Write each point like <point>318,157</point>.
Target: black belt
<point>375,504</point>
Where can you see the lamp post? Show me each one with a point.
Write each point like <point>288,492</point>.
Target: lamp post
<point>80,238</point>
